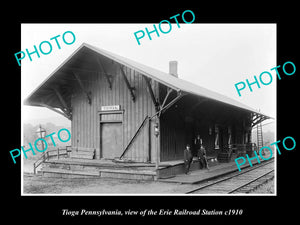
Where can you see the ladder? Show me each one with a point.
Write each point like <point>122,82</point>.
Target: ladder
<point>260,141</point>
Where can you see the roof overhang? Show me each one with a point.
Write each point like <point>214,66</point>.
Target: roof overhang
<point>56,90</point>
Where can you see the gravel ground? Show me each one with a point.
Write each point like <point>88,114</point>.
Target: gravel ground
<point>45,185</point>
<point>267,188</point>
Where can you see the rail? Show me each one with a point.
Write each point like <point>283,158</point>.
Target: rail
<point>251,181</point>
<point>230,176</point>
<point>45,156</point>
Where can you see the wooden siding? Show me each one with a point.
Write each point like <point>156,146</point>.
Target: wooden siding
<point>181,123</point>
<point>173,136</point>
<point>86,117</point>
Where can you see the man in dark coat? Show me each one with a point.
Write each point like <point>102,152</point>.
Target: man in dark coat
<point>198,142</point>
<point>188,158</point>
<point>202,158</point>
<point>201,152</point>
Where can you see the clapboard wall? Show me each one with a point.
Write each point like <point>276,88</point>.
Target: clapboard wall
<point>190,116</point>
<point>86,117</point>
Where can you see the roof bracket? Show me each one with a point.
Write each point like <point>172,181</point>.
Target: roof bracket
<point>88,94</point>
<point>131,89</point>
<point>180,94</point>
<point>57,111</point>
<point>150,90</point>
<point>108,78</point>
<point>67,110</point>
<point>258,119</point>
<point>166,97</point>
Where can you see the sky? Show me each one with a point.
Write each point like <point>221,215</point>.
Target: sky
<point>214,56</point>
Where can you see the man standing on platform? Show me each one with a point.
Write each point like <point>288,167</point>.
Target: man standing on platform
<point>188,158</point>
<point>201,153</point>
<point>202,158</point>
<point>198,142</point>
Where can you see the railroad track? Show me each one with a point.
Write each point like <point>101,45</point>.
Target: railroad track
<point>254,184</point>
<point>245,181</point>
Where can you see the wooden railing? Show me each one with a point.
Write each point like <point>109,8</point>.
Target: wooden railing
<point>54,153</point>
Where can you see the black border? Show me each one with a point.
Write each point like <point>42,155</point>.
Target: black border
<point>41,209</point>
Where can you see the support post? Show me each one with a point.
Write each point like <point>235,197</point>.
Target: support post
<point>157,146</point>
<point>149,139</point>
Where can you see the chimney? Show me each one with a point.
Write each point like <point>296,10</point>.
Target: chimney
<point>173,68</point>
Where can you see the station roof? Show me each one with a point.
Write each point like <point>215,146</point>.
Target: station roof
<point>43,94</point>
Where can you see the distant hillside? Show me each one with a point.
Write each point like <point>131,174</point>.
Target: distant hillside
<point>268,137</point>
<point>30,136</point>
<point>58,121</point>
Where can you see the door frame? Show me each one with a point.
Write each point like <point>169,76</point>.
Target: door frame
<point>110,121</point>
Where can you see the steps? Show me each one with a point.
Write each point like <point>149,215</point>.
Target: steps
<point>65,173</point>
<point>82,153</point>
<point>128,174</point>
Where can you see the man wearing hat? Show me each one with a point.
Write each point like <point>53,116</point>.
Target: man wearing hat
<point>188,158</point>
<point>201,153</point>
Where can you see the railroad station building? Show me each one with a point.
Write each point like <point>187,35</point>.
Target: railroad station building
<point>123,110</point>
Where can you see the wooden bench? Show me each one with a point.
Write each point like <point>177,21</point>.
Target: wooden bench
<point>82,153</point>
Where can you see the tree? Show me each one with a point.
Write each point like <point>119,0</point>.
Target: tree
<point>29,133</point>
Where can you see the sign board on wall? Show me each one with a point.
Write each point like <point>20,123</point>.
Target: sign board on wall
<point>110,107</point>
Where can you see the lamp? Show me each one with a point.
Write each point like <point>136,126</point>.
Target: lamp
<point>156,129</point>
<point>41,133</point>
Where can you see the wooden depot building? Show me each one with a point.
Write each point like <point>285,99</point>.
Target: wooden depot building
<point>125,111</point>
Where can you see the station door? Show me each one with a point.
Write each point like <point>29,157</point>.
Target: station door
<point>111,140</point>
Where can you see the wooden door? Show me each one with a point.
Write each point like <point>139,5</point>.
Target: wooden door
<point>111,140</point>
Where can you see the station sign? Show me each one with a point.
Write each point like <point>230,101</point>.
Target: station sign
<point>110,107</point>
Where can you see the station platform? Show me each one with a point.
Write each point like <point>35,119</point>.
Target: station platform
<point>214,171</point>
<point>171,171</point>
